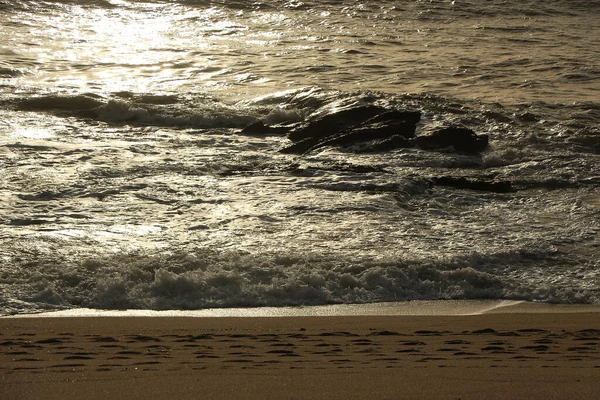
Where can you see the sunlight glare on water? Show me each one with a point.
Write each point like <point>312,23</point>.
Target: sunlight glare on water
<point>115,49</point>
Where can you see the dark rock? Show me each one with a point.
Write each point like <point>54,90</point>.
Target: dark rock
<point>259,128</point>
<point>256,128</point>
<point>377,130</point>
<point>388,144</point>
<point>473,184</point>
<point>397,115</point>
<point>386,124</point>
<point>380,130</point>
<point>497,116</point>
<point>528,117</point>
<point>463,140</point>
<point>337,167</point>
<point>301,147</point>
<point>334,122</point>
<point>28,221</point>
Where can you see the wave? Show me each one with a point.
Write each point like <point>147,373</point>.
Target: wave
<point>200,110</point>
<point>129,109</point>
<point>530,149</point>
<point>11,72</point>
<point>209,278</point>
<point>194,111</point>
<point>535,126</point>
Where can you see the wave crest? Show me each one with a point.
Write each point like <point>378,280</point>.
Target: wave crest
<point>209,279</point>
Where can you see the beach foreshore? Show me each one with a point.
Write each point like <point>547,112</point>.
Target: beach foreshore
<point>514,350</point>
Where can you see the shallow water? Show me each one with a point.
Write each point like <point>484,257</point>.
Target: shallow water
<point>126,182</point>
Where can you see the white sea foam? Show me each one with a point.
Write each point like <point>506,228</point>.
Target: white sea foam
<point>412,308</point>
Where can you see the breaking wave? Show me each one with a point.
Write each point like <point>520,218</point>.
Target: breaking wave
<point>207,279</point>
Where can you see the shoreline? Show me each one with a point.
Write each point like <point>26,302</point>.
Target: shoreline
<point>517,351</point>
<point>405,308</point>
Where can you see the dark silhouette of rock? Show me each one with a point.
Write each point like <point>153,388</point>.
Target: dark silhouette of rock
<point>259,128</point>
<point>321,125</point>
<point>375,121</point>
<point>301,147</point>
<point>473,184</point>
<point>462,140</point>
<point>354,135</point>
<point>387,144</point>
<point>397,115</point>
<point>372,131</point>
<point>375,127</point>
<point>352,125</point>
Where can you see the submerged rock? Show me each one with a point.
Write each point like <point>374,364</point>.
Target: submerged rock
<point>352,125</point>
<point>369,132</point>
<point>377,120</point>
<point>336,120</point>
<point>375,127</point>
<point>259,128</point>
<point>363,133</point>
<point>462,140</point>
<point>473,184</point>
<point>388,144</point>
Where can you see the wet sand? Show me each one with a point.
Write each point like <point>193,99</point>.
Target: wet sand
<point>514,352</point>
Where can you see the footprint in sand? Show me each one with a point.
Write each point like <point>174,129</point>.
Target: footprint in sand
<point>494,349</point>
<point>431,333</point>
<point>347,334</point>
<point>52,341</point>
<point>283,353</point>
<point>581,349</point>
<point>146,363</point>
<point>411,343</point>
<point>544,341</point>
<point>302,336</point>
<point>142,338</point>
<point>533,330</point>
<point>536,348</point>
<point>361,342</point>
<point>283,345</point>
<point>385,333</point>
<point>427,359</point>
<point>485,331</point>
<point>104,339</point>
<point>458,341</point>
<point>78,358</point>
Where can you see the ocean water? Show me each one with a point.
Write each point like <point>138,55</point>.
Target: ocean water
<point>126,180</point>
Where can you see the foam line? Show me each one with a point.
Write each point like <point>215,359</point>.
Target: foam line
<point>410,308</point>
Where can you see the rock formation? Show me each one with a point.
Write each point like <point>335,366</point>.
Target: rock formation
<point>377,128</point>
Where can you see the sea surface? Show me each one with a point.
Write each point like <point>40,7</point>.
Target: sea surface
<point>126,180</point>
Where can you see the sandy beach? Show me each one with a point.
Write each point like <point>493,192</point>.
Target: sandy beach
<point>516,352</point>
